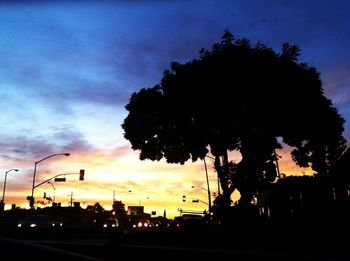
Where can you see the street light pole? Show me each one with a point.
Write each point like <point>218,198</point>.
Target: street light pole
<point>32,196</point>
<point>3,193</point>
<point>206,174</point>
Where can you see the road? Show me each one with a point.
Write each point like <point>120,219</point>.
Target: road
<point>156,246</point>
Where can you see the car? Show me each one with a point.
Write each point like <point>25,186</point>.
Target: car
<point>173,225</point>
<point>111,223</point>
<point>156,224</point>
<point>140,221</point>
<point>39,222</point>
<point>141,224</point>
<point>191,222</point>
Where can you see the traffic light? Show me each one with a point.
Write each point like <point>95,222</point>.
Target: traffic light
<point>184,198</point>
<point>31,202</point>
<point>81,174</point>
<point>44,194</point>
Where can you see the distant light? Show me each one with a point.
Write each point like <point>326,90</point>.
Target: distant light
<point>32,225</point>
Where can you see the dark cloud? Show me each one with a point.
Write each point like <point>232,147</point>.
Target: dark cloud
<point>104,58</point>
<point>337,80</point>
<point>337,88</point>
<point>71,140</point>
<point>82,90</point>
<point>142,56</point>
<point>177,33</point>
<point>61,141</point>
<point>25,147</point>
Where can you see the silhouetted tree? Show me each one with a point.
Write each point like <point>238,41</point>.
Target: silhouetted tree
<point>237,96</point>
<point>119,206</point>
<point>98,208</point>
<point>120,212</point>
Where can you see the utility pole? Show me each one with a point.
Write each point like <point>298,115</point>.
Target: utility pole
<point>71,199</point>
<point>208,188</point>
<point>277,167</point>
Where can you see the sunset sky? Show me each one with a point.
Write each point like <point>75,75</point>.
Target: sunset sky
<point>67,71</point>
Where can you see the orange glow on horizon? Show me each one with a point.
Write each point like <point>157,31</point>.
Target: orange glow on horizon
<point>157,186</point>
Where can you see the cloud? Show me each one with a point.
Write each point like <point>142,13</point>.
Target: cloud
<point>74,66</point>
<point>337,88</point>
<point>55,61</point>
<point>23,147</point>
<point>337,84</point>
<point>98,92</point>
<point>61,139</point>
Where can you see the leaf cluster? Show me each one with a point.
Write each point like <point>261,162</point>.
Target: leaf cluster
<point>236,96</point>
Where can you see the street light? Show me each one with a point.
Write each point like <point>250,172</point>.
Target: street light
<point>31,199</point>
<point>199,187</point>
<point>54,191</point>
<point>3,193</point>
<point>196,200</point>
<point>209,197</point>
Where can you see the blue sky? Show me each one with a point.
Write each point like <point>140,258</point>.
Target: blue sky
<point>68,69</point>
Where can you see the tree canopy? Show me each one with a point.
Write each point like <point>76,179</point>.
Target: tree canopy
<point>237,96</point>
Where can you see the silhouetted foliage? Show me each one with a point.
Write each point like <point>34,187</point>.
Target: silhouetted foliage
<point>97,208</point>
<point>120,212</point>
<point>119,206</point>
<point>237,96</point>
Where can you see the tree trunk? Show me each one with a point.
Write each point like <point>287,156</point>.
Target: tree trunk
<point>222,168</point>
